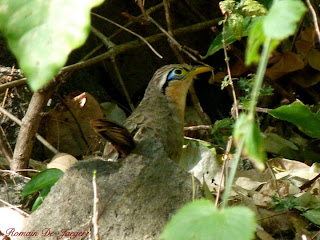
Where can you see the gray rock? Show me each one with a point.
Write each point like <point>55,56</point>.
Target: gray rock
<point>137,196</point>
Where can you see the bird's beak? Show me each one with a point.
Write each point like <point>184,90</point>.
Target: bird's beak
<point>199,69</point>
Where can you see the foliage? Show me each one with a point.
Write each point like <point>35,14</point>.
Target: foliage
<point>306,203</point>
<point>246,83</point>
<point>201,220</point>
<point>41,34</point>
<point>43,181</point>
<point>265,33</point>
<point>301,116</point>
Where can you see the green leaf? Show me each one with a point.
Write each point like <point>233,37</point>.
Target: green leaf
<point>41,34</point>
<point>236,23</point>
<point>201,220</point>
<point>282,19</point>
<point>253,141</point>
<point>217,44</point>
<point>43,194</point>
<point>301,116</point>
<point>255,40</point>
<point>253,8</point>
<point>313,215</point>
<point>46,178</point>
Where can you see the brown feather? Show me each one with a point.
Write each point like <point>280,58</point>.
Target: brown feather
<point>117,135</point>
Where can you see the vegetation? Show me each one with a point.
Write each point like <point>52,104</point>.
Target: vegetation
<point>282,142</point>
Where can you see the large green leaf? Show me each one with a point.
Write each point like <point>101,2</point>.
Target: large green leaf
<point>253,141</point>
<point>217,43</point>
<point>313,215</point>
<point>41,34</point>
<point>301,116</point>
<point>282,19</point>
<point>201,220</point>
<point>46,178</point>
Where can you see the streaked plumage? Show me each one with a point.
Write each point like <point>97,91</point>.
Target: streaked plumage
<point>161,111</point>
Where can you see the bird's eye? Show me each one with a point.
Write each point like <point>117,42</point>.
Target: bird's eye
<point>177,71</point>
<point>177,74</point>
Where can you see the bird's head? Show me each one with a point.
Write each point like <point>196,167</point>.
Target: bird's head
<point>174,81</point>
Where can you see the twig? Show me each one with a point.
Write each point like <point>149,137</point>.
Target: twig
<point>169,25</point>
<point>15,208</point>
<point>197,140</point>
<point>128,30</point>
<point>74,118</point>
<point>235,103</point>
<point>124,88</point>
<point>95,216</point>
<point>174,41</point>
<point>199,127</point>
<point>7,90</point>
<point>5,147</point>
<point>38,136</point>
<point>141,6</point>
<point>109,44</point>
<point>274,179</point>
<point>16,83</point>
<point>135,44</point>
<point>307,184</point>
<point>197,106</point>
<point>224,170</point>
<point>102,209</point>
<point>258,109</point>
<point>106,41</point>
<point>314,18</point>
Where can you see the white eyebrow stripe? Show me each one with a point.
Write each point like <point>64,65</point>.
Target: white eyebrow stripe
<point>162,81</point>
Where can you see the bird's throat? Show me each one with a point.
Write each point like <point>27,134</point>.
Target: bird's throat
<point>177,93</point>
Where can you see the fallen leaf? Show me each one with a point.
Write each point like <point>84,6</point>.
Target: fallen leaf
<point>289,62</point>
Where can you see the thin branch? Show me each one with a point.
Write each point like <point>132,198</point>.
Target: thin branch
<point>165,32</point>
<point>258,109</point>
<point>124,88</point>
<point>223,170</point>
<point>104,39</point>
<point>197,106</point>
<point>95,217</point>
<point>9,79</point>
<point>5,147</point>
<point>74,118</point>
<point>314,18</point>
<point>38,136</point>
<point>199,127</point>
<point>235,103</point>
<point>197,140</point>
<point>135,44</point>
<point>15,208</point>
<point>169,26</point>
<point>15,83</point>
<point>128,30</point>
<point>109,44</point>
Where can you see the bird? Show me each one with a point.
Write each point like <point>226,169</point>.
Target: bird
<point>159,115</point>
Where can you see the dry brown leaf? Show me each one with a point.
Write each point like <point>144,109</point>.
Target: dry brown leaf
<point>248,184</point>
<point>287,164</point>
<point>303,47</point>
<point>273,221</point>
<point>306,41</point>
<point>289,62</point>
<point>307,77</point>
<point>261,200</point>
<point>314,59</point>
<point>63,131</point>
